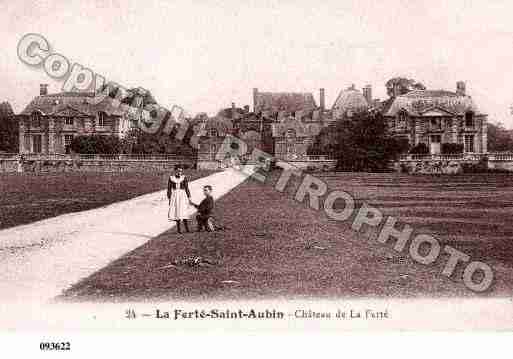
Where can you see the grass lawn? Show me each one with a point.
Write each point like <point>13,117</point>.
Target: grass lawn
<point>276,247</point>
<point>27,198</point>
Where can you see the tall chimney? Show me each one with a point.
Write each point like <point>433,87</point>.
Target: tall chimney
<point>460,88</point>
<point>322,100</point>
<point>255,93</point>
<point>233,110</point>
<point>367,93</point>
<point>43,89</point>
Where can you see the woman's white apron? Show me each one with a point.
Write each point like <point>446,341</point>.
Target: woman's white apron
<point>178,203</point>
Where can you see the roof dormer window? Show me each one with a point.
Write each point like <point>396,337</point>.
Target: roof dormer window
<point>36,119</point>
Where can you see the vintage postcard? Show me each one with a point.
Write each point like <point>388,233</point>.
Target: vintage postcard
<point>263,166</point>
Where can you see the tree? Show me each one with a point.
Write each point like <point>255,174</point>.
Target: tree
<point>419,149</point>
<point>8,129</point>
<point>138,141</point>
<point>403,86</point>
<point>364,143</point>
<point>499,139</point>
<point>96,144</point>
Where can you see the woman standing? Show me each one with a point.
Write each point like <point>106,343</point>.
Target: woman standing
<point>20,164</point>
<point>179,196</point>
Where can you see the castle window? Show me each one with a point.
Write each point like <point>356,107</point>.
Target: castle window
<point>68,139</point>
<point>469,143</point>
<point>37,146</point>
<point>102,119</point>
<point>290,133</point>
<point>69,121</point>
<point>36,119</point>
<point>469,119</point>
<point>402,120</point>
<point>436,124</point>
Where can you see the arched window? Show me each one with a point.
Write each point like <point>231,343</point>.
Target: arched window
<point>36,119</point>
<point>469,119</point>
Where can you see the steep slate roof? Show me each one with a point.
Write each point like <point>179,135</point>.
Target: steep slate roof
<point>71,102</point>
<point>418,101</point>
<point>284,101</point>
<point>6,110</point>
<point>349,100</point>
<point>84,104</point>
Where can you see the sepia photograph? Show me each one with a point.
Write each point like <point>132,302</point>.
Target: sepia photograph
<point>266,166</point>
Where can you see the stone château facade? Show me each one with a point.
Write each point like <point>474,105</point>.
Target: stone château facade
<point>51,121</point>
<point>435,117</point>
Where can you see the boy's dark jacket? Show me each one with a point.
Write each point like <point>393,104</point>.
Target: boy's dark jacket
<point>206,206</point>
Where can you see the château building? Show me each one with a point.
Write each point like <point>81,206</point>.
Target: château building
<point>282,124</point>
<point>435,117</point>
<point>50,121</point>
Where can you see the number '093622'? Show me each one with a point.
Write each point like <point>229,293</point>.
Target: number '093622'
<point>55,346</point>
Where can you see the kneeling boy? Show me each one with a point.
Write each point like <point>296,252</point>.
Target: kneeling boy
<point>205,208</point>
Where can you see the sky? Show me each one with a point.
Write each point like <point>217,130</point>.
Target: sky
<point>204,55</point>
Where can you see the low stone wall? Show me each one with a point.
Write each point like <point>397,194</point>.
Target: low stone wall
<point>497,164</point>
<point>320,165</point>
<point>210,165</point>
<point>429,167</point>
<point>94,165</point>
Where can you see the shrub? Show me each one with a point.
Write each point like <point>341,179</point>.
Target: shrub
<point>452,148</point>
<point>420,149</point>
<point>404,168</point>
<point>96,144</point>
<point>480,167</point>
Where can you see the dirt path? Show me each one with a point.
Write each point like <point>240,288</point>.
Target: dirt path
<point>40,260</point>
